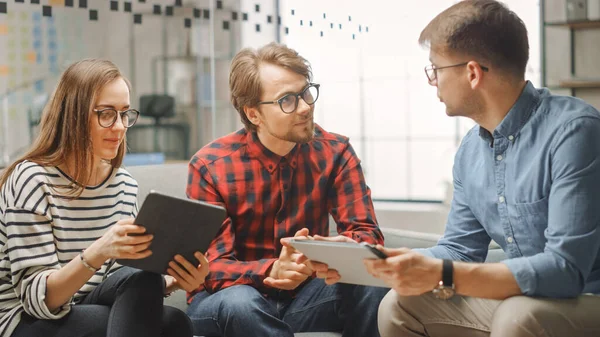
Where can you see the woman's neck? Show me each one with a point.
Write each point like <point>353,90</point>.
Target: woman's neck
<point>101,169</point>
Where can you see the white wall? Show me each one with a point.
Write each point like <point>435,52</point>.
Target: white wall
<point>136,49</point>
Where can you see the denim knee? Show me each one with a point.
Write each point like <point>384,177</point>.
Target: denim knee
<point>232,301</point>
<point>370,295</point>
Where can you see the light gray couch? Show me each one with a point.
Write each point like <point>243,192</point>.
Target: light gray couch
<point>172,179</point>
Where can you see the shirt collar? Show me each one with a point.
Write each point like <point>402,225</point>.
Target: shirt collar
<point>268,158</point>
<point>517,116</point>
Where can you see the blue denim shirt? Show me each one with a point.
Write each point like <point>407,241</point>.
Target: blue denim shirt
<point>533,186</point>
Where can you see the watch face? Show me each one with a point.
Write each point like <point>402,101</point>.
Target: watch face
<point>443,293</point>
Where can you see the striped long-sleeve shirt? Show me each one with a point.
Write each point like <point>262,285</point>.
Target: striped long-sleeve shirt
<point>42,229</point>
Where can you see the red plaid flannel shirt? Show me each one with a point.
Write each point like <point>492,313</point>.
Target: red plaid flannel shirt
<point>269,197</point>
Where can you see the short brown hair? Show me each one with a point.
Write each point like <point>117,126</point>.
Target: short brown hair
<point>483,29</point>
<point>244,78</point>
<point>65,125</point>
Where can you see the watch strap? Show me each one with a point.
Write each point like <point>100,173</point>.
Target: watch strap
<point>447,273</point>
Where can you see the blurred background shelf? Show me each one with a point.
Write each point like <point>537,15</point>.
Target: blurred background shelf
<point>580,83</point>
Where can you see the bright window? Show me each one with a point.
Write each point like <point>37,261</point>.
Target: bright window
<point>374,89</point>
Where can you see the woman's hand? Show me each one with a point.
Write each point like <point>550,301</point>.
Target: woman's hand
<point>124,240</point>
<point>185,275</point>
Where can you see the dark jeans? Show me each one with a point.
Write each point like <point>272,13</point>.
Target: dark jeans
<point>243,311</point>
<point>128,303</point>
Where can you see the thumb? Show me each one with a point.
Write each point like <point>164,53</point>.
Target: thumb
<point>279,284</point>
<point>269,281</point>
<point>302,232</point>
<point>286,243</point>
<point>393,251</point>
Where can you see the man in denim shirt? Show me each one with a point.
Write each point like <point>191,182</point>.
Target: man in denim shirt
<point>527,176</point>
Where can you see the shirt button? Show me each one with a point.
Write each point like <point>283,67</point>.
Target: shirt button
<point>499,158</point>
<point>511,138</point>
<point>509,239</point>
<point>501,199</point>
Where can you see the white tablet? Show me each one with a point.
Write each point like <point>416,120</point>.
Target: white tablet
<point>345,257</point>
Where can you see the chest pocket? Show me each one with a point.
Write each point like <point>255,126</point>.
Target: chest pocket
<point>532,223</point>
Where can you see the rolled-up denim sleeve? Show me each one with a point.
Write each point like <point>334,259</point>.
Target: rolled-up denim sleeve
<point>464,238</point>
<point>573,236</point>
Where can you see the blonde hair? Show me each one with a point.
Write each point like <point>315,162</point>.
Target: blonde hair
<point>65,124</point>
<point>244,77</point>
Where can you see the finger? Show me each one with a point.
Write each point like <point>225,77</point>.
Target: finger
<point>378,267</point>
<point>134,256</point>
<point>136,240</point>
<point>283,284</point>
<point>285,242</point>
<point>333,280</point>
<point>300,268</point>
<point>369,265</point>
<point>393,251</point>
<point>185,264</point>
<point>126,229</point>
<point>127,221</point>
<point>203,267</point>
<point>180,280</point>
<point>302,232</point>
<point>398,263</point>
<point>338,238</point>
<point>321,274</point>
<point>318,266</point>
<point>141,247</point>
<point>190,269</point>
<point>388,278</point>
<point>330,274</point>
<point>181,272</point>
<point>301,258</point>
<point>128,249</point>
<point>293,275</point>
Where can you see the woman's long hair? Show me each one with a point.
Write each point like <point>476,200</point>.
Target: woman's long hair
<point>65,125</point>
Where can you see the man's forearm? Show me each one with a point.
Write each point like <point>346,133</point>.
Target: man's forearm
<point>485,280</point>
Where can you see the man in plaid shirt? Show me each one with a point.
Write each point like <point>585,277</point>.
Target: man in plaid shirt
<point>280,176</point>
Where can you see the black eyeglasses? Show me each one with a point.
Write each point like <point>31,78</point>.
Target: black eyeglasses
<point>108,117</point>
<point>431,70</point>
<point>289,102</point>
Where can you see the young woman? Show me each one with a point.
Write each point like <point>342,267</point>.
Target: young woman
<point>66,209</point>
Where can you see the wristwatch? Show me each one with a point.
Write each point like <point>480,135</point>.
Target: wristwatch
<point>445,288</point>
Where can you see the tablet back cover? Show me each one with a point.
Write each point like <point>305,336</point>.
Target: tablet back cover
<point>180,226</point>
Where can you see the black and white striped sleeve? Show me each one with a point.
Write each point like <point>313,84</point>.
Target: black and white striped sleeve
<point>33,257</point>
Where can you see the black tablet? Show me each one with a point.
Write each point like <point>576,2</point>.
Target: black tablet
<point>180,226</point>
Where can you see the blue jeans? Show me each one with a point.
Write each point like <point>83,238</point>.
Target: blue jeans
<point>128,303</point>
<point>243,311</point>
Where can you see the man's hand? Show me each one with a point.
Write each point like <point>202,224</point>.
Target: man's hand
<point>186,276</point>
<point>330,276</point>
<point>407,272</point>
<point>286,273</point>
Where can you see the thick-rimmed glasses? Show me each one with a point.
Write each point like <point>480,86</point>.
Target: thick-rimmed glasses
<point>108,117</point>
<point>289,102</point>
<point>431,70</point>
